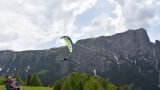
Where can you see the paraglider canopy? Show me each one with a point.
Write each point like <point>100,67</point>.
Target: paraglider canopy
<point>68,42</point>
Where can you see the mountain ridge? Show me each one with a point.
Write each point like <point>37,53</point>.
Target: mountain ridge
<point>124,58</point>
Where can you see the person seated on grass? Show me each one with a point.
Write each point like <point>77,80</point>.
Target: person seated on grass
<point>8,83</point>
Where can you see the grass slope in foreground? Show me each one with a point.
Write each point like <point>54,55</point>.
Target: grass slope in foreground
<point>29,88</point>
<point>79,81</point>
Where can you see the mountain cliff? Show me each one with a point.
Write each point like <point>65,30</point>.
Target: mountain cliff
<point>123,58</point>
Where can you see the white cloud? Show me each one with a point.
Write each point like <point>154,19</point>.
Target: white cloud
<point>27,24</point>
<point>101,25</point>
<point>7,37</point>
<point>78,6</point>
<point>119,21</point>
<point>134,14</point>
<point>33,24</point>
<point>137,13</point>
<point>130,14</point>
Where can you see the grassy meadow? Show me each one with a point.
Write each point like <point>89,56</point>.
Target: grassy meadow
<point>30,88</point>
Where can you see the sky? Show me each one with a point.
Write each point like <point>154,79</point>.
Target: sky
<point>38,24</point>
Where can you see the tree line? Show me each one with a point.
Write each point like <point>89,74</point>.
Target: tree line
<point>75,81</point>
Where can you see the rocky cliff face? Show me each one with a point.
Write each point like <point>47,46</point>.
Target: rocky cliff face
<point>123,58</point>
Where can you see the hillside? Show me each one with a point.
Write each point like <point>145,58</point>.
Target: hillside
<point>123,58</point>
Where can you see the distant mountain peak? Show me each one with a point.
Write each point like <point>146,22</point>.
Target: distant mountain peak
<point>131,40</point>
<point>124,58</point>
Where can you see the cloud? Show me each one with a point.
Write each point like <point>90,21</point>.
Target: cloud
<point>38,24</point>
<point>101,25</point>
<point>129,14</point>
<point>137,13</point>
<point>7,37</point>
<point>28,24</point>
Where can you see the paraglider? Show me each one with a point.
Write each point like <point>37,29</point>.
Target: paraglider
<point>68,42</point>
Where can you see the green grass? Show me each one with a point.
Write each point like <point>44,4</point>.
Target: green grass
<point>30,88</point>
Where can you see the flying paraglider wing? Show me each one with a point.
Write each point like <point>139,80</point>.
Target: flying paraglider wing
<point>68,42</point>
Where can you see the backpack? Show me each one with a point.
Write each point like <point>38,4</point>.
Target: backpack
<point>16,85</point>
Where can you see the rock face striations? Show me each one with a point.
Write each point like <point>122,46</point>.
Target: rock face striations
<point>123,58</point>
